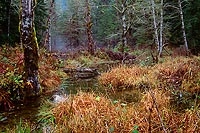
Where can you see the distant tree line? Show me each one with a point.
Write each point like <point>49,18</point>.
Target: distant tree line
<point>9,21</point>
<point>113,22</point>
<point>131,22</point>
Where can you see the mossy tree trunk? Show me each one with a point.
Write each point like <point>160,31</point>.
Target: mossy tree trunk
<point>30,47</point>
<point>89,28</point>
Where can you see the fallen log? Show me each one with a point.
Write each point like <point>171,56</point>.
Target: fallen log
<point>82,73</point>
<point>70,70</point>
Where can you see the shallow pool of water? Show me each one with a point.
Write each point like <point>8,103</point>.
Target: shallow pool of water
<point>26,112</point>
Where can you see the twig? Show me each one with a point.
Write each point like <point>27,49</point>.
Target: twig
<point>156,106</point>
<point>150,111</point>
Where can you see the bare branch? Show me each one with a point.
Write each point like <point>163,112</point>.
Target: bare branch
<point>156,106</point>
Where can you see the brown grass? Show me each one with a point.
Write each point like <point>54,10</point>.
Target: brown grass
<point>83,113</point>
<point>176,74</point>
<point>50,75</point>
<point>5,101</point>
<point>89,112</point>
<point>123,77</point>
<point>180,74</point>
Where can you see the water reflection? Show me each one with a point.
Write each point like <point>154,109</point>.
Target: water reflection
<point>26,112</point>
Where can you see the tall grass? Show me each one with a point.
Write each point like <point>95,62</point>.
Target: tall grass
<point>87,112</point>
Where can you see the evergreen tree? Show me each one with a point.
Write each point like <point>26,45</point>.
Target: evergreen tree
<point>105,21</point>
<point>9,20</point>
<point>191,20</point>
<point>191,12</point>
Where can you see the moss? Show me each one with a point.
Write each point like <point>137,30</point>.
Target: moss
<point>30,47</point>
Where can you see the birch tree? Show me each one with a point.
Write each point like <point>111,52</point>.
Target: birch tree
<point>124,25</point>
<point>30,46</point>
<point>183,25</point>
<point>161,30</point>
<point>155,25</point>
<point>47,42</point>
<point>158,39</point>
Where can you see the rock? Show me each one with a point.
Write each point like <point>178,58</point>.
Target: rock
<point>59,98</point>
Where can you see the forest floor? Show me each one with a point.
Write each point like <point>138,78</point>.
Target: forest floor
<point>136,96</point>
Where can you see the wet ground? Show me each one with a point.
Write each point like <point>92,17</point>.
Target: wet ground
<point>25,112</point>
<point>29,111</point>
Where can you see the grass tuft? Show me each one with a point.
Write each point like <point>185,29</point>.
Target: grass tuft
<point>88,112</point>
<point>121,78</point>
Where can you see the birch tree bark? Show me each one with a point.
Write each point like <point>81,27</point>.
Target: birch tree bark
<point>30,47</point>
<point>183,26</point>
<point>47,42</point>
<point>124,31</point>
<point>161,30</point>
<point>155,24</point>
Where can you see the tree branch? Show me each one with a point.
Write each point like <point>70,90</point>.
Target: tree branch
<point>156,106</point>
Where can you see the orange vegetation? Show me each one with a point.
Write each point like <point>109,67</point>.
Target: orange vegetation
<point>89,113</point>
<point>179,73</point>
<point>123,77</point>
<point>155,112</point>
<point>11,74</point>
<point>176,74</point>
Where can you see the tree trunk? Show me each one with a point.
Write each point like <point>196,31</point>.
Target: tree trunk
<point>30,47</point>
<point>47,42</point>
<point>183,26</point>
<point>8,15</point>
<point>124,38</point>
<point>155,24</point>
<point>161,30</point>
<point>89,28</point>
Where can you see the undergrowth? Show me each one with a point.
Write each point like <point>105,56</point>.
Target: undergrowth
<point>84,61</point>
<point>122,78</point>
<point>11,74</point>
<point>169,99</point>
<point>88,112</point>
